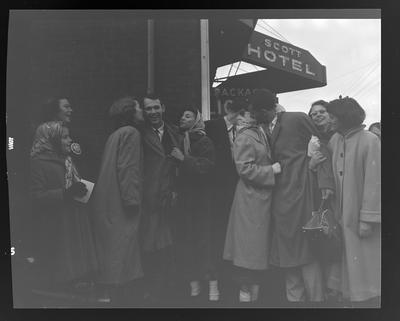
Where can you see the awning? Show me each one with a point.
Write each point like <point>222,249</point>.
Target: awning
<point>288,67</point>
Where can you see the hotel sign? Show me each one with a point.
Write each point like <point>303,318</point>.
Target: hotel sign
<point>269,52</point>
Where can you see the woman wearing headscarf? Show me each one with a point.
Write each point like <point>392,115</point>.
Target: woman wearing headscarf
<point>64,247</point>
<point>356,161</point>
<point>195,251</point>
<point>59,108</point>
<point>117,200</point>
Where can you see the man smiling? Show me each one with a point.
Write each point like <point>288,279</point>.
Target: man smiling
<point>159,139</point>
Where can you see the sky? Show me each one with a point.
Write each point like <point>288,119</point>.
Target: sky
<point>349,48</point>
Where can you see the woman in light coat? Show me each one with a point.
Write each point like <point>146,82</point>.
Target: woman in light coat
<point>248,241</point>
<point>117,200</point>
<point>356,160</point>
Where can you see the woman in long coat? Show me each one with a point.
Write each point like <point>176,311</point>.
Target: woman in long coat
<point>193,219</point>
<point>247,241</point>
<point>356,160</point>
<point>117,199</point>
<point>64,247</point>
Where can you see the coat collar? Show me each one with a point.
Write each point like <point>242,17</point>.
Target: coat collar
<point>277,129</point>
<point>152,139</point>
<point>259,135</point>
<point>51,157</point>
<point>352,131</point>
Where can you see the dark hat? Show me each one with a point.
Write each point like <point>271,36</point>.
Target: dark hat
<point>263,98</point>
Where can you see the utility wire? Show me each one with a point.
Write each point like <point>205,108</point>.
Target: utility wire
<point>354,70</point>
<point>238,67</point>
<point>359,81</point>
<point>365,87</point>
<point>265,27</point>
<point>269,32</point>
<point>230,70</point>
<point>286,40</point>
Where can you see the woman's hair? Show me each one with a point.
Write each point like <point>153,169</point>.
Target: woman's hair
<point>318,102</point>
<point>194,110</point>
<point>377,125</point>
<point>51,108</point>
<point>348,112</point>
<point>238,105</point>
<point>263,99</point>
<point>122,111</point>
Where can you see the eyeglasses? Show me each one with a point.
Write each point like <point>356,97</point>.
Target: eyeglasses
<point>315,113</point>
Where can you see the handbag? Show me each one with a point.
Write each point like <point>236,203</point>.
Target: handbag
<point>324,234</point>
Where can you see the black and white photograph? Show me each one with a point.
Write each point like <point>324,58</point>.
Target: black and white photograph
<point>166,159</point>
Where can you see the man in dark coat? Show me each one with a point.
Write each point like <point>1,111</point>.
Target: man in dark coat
<point>222,132</point>
<point>159,194</point>
<point>292,204</point>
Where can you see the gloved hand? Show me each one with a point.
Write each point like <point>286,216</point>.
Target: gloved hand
<point>132,210</point>
<point>316,158</point>
<point>77,189</point>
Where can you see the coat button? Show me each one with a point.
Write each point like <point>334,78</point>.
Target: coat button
<point>341,154</point>
<point>341,173</point>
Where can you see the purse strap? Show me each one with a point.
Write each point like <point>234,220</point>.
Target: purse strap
<point>323,202</point>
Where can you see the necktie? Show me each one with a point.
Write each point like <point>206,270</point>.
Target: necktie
<point>233,131</point>
<point>158,133</point>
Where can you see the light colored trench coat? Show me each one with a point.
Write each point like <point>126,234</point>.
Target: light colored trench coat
<point>119,184</point>
<point>247,241</point>
<point>356,159</point>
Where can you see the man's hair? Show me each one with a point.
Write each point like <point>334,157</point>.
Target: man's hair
<point>348,111</point>
<point>318,102</point>
<point>51,108</point>
<point>237,105</point>
<point>377,125</point>
<point>263,99</point>
<point>152,96</point>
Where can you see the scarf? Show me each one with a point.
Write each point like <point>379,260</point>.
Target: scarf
<point>47,136</point>
<point>197,128</point>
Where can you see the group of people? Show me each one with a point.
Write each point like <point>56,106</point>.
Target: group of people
<point>183,202</point>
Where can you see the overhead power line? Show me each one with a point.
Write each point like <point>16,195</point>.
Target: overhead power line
<point>369,86</point>
<point>354,70</point>
<point>269,32</point>
<point>359,81</point>
<point>285,39</point>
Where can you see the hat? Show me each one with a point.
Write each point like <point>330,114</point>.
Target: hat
<point>263,98</point>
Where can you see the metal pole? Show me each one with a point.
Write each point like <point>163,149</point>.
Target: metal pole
<point>150,56</point>
<point>205,69</point>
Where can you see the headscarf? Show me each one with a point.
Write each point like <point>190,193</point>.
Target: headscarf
<point>198,128</point>
<point>47,136</point>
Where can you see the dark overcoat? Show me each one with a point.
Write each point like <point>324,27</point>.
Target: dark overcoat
<point>194,216</point>
<point>224,180</point>
<point>294,192</point>
<point>63,244</point>
<point>160,171</point>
